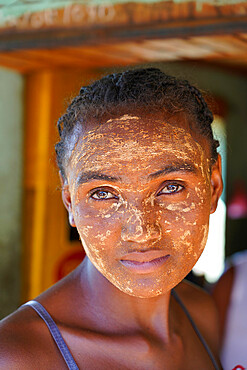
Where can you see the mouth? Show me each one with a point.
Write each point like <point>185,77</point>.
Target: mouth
<point>145,262</point>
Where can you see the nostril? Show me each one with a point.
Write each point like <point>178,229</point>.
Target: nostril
<point>140,233</point>
<point>132,233</point>
<point>154,229</point>
<point>140,225</point>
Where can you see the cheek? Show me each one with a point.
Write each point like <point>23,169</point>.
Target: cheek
<point>97,229</point>
<point>185,224</point>
<point>95,236</point>
<point>186,236</point>
<point>191,239</point>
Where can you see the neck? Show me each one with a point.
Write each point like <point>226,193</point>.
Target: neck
<point>122,311</point>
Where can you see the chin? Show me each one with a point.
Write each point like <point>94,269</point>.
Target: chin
<point>145,295</point>
<point>146,288</point>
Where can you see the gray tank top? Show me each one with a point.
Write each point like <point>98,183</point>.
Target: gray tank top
<point>64,350</point>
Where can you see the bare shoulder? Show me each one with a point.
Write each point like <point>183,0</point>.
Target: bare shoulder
<point>222,295</point>
<point>22,339</point>
<point>25,341</point>
<point>195,298</point>
<point>203,311</point>
<point>223,287</point>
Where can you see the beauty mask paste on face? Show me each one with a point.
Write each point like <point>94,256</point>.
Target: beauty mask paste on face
<point>129,149</point>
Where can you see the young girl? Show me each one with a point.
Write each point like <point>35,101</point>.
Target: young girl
<point>140,176</point>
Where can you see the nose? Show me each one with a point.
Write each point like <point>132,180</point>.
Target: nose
<point>140,226</point>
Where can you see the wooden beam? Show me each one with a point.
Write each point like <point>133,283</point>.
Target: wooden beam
<point>95,36</point>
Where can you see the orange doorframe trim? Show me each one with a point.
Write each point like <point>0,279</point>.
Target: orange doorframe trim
<point>44,85</point>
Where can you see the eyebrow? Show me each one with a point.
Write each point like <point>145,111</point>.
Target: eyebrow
<point>94,175</point>
<point>179,167</point>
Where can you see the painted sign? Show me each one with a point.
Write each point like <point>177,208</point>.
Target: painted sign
<point>86,14</point>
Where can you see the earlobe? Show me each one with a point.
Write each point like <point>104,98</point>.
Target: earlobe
<point>216,184</point>
<point>66,197</point>
<point>71,219</point>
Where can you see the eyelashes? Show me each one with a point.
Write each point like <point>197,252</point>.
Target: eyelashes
<point>171,188</point>
<point>103,194</point>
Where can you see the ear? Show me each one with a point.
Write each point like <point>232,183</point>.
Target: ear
<point>67,199</point>
<point>216,184</point>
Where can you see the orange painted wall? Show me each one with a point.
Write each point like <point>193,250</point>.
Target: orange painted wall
<point>48,253</point>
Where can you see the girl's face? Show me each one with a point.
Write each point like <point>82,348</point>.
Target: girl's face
<point>140,191</point>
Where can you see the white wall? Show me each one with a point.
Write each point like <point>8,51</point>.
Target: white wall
<point>11,138</point>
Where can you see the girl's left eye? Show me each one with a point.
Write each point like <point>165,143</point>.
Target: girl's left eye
<point>103,195</point>
<point>171,189</point>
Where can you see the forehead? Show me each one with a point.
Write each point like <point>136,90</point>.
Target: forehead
<point>144,141</point>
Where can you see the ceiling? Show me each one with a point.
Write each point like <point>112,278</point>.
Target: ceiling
<point>224,49</point>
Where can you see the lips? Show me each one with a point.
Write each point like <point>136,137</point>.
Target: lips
<point>144,256</point>
<point>144,262</point>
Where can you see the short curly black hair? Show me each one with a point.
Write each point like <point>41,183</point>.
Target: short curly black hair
<point>138,90</point>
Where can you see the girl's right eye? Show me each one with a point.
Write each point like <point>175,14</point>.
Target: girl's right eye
<point>103,195</point>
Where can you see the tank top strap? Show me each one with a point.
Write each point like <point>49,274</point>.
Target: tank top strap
<point>46,317</point>
<point>204,343</point>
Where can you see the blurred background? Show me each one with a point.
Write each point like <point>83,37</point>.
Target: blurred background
<point>48,49</point>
